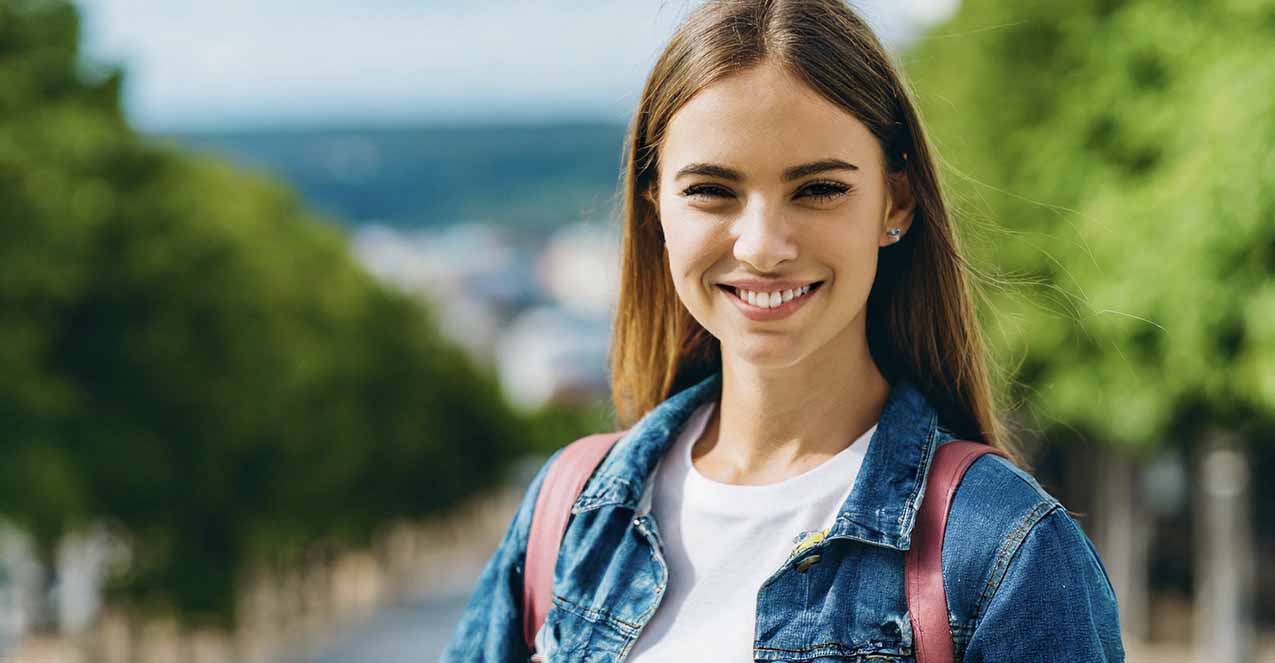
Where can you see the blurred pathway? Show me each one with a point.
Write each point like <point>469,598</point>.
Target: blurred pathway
<point>409,633</point>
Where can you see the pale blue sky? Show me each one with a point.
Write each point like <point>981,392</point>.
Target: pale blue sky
<point>195,64</point>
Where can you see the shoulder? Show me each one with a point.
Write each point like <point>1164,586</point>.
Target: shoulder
<point>998,497</point>
<point>516,537</point>
<point>995,507</point>
<point>1005,528</point>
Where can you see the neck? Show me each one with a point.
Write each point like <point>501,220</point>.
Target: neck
<point>774,423</point>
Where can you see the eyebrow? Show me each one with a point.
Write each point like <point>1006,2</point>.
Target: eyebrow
<point>793,173</point>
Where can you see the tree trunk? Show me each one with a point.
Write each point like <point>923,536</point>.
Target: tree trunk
<point>1124,538</point>
<point>1224,562</point>
<point>44,616</point>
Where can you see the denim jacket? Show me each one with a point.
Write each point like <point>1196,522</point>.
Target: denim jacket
<point>1023,581</point>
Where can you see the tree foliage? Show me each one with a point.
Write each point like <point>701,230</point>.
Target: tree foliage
<point>189,353</point>
<point>1121,152</point>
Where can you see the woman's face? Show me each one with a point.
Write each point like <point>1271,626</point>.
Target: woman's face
<point>762,179</point>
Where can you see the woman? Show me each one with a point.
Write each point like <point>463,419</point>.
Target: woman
<point>793,340</point>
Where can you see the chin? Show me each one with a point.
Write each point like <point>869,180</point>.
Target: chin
<point>765,352</point>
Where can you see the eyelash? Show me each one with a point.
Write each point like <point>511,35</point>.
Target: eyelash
<point>837,190</point>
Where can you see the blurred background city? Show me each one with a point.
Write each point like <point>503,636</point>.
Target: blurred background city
<point>295,296</point>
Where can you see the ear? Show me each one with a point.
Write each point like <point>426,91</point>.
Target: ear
<point>900,205</point>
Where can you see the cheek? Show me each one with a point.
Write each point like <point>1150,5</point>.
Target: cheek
<point>862,254</point>
<point>691,250</point>
<point>851,254</point>
<point>858,273</point>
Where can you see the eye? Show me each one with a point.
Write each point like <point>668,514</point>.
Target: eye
<point>819,191</point>
<point>826,190</point>
<point>706,190</point>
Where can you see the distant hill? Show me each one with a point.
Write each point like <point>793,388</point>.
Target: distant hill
<point>528,176</point>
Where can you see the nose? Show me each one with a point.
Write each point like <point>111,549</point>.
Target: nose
<point>765,237</point>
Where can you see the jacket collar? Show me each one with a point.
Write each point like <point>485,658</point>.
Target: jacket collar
<point>882,506</point>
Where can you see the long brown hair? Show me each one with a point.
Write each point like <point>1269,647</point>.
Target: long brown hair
<point>921,318</point>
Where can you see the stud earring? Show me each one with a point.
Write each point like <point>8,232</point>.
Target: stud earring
<point>893,233</point>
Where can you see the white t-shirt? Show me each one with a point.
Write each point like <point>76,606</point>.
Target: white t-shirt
<point>722,541</point>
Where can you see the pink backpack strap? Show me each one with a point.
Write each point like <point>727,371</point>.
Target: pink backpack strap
<point>923,562</point>
<point>559,491</point>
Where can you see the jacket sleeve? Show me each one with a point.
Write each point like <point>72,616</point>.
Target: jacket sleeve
<point>1054,602</point>
<point>490,628</point>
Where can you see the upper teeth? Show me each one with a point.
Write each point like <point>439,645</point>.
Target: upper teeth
<point>770,299</point>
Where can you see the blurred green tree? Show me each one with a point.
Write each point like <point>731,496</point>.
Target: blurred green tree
<point>190,354</point>
<point>1123,148</point>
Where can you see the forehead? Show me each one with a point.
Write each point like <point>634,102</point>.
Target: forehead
<point>761,121</point>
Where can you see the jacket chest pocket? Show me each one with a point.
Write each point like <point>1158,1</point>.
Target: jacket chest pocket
<point>575,634</point>
<point>839,608</point>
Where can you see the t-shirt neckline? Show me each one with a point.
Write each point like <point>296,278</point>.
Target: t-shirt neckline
<point>794,492</point>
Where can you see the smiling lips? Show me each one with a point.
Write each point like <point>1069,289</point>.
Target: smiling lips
<point>756,305</point>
